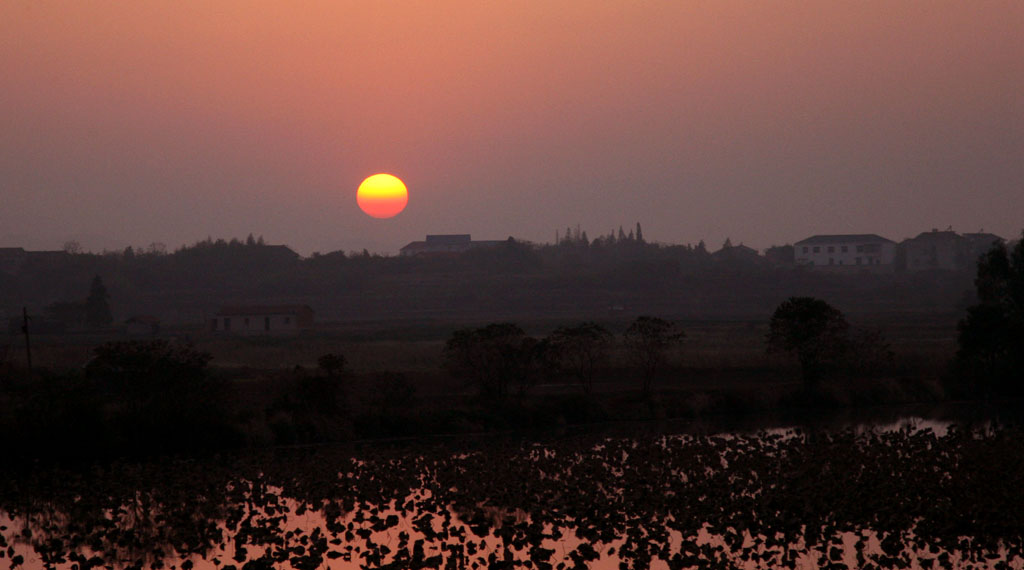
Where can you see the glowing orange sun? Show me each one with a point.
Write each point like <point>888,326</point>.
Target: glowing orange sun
<point>382,196</point>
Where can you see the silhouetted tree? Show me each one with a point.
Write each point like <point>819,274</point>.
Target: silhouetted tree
<point>332,364</point>
<point>495,358</point>
<point>813,330</point>
<point>97,307</point>
<point>579,350</point>
<point>328,385</point>
<point>639,233</point>
<point>648,342</point>
<point>161,395</point>
<point>991,336</point>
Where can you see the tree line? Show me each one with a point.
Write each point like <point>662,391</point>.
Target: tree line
<point>157,396</point>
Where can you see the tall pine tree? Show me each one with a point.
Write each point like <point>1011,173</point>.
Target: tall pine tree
<point>97,307</point>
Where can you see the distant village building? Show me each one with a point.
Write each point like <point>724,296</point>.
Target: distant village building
<point>142,325</point>
<point>734,254</point>
<point>946,250</point>
<point>13,260</point>
<point>445,244</point>
<point>262,320</point>
<point>979,243</point>
<point>845,250</point>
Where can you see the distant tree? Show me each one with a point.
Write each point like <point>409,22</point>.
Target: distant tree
<point>161,395</point>
<point>144,366</point>
<point>622,234</point>
<point>780,254</point>
<point>648,342</point>
<point>250,241</point>
<point>813,330</point>
<point>129,253</point>
<point>701,248</point>
<point>579,350</point>
<point>639,233</point>
<point>97,307</point>
<point>991,337</point>
<point>727,244</point>
<point>72,247</point>
<point>496,358</point>
<point>332,364</point>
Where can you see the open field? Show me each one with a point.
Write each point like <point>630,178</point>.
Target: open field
<point>396,382</point>
<point>416,345</point>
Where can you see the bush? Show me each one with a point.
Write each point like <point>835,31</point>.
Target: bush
<point>160,397</point>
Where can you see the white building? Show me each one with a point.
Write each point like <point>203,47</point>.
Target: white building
<point>845,250</point>
<point>262,320</point>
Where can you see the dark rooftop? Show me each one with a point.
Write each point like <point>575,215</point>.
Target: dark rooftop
<point>844,238</point>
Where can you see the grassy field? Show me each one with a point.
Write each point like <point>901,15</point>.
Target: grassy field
<point>396,384</point>
<point>923,342</point>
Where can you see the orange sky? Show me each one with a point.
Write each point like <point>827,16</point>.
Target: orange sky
<point>126,123</point>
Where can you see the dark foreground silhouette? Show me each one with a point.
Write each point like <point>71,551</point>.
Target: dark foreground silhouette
<point>775,500</point>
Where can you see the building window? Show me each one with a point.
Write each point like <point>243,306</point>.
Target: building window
<point>287,320</point>
<point>860,249</point>
<point>214,324</point>
<point>844,249</point>
<point>817,249</point>
<point>266,323</point>
<point>857,261</point>
<point>831,261</point>
<point>805,249</point>
<point>831,249</point>
<point>246,322</point>
<point>227,323</point>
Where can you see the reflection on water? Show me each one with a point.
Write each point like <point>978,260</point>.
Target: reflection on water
<point>917,493</point>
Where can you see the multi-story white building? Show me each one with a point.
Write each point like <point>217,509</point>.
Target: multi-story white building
<point>846,250</point>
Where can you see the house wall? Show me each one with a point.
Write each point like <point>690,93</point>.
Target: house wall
<point>257,324</point>
<point>845,253</point>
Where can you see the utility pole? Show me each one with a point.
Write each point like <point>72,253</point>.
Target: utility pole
<point>28,345</point>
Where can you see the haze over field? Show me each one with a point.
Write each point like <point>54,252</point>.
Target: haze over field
<point>128,123</point>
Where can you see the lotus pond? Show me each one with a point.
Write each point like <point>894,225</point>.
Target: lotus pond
<point>907,498</point>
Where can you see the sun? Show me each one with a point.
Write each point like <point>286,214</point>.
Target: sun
<point>382,196</point>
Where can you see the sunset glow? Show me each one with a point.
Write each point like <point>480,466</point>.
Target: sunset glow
<point>382,196</point>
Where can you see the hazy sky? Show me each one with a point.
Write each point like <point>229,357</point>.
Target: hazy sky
<point>133,122</point>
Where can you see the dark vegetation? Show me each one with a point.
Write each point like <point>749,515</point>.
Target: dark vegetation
<point>133,460</point>
<point>163,396</point>
<point>901,499</point>
<point>577,279</point>
<point>991,336</point>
